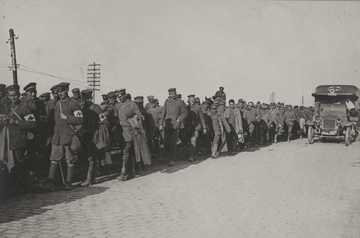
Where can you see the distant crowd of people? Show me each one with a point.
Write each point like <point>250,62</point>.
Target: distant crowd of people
<point>64,127</point>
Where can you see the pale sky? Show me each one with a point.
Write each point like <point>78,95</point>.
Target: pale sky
<point>251,48</point>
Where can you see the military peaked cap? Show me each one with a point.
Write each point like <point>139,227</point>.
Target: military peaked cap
<point>191,96</point>
<point>30,86</point>
<point>172,90</point>
<point>139,97</point>
<point>150,97</point>
<point>54,88</point>
<point>63,86</point>
<point>75,90</point>
<point>13,88</point>
<point>111,94</point>
<point>45,95</point>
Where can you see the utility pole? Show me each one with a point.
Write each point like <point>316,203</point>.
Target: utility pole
<point>13,56</point>
<point>93,77</point>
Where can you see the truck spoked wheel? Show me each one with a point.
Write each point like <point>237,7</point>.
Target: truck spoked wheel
<point>347,136</point>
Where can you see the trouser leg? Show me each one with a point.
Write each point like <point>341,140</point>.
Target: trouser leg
<point>128,166</point>
<point>173,139</point>
<point>290,127</point>
<point>193,148</point>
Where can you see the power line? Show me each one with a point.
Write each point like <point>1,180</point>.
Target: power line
<point>34,72</point>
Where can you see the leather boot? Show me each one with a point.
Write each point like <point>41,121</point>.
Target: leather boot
<point>214,153</point>
<point>192,149</point>
<point>70,176</point>
<point>90,174</point>
<point>49,185</point>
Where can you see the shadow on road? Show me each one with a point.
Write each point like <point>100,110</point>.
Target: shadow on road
<point>31,204</point>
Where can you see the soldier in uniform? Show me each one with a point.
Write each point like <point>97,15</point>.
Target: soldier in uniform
<point>263,124</point>
<point>148,123</point>
<point>197,101</point>
<point>114,127</point>
<point>45,97</point>
<point>105,100</point>
<point>37,136</point>
<point>155,111</point>
<point>68,118</point>
<point>218,122</point>
<point>205,139</point>
<point>183,136</point>
<point>290,118</point>
<point>302,121</point>
<point>220,98</point>
<point>195,123</point>
<point>96,138</point>
<point>77,96</point>
<point>149,98</point>
<point>17,121</point>
<point>126,109</point>
<point>174,114</point>
<point>234,119</point>
<point>253,116</point>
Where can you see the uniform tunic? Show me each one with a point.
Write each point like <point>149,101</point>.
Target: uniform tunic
<point>13,137</point>
<point>174,113</point>
<point>63,132</point>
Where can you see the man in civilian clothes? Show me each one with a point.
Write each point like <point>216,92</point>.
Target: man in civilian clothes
<point>174,113</point>
<point>68,117</point>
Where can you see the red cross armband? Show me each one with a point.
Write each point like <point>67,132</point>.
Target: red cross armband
<point>29,117</point>
<point>102,117</point>
<point>78,113</point>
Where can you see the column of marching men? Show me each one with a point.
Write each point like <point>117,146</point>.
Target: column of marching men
<point>68,128</point>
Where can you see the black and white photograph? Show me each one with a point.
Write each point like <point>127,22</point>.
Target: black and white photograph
<point>180,118</point>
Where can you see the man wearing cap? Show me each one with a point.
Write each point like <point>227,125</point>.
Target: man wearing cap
<point>302,121</point>
<point>37,141</point>
<point>220,98</point>
<point>68,120</point>
<point>195,123</point>
<point>155,111</point>
<point>183,133</point>
<point>96,138</point>
<point>105,100</point>
<point>252,116</point>
<point>218,123</point>
<point>17,121</point>
<point>290,118</point>
<point>148,123</point>
<point>149,98</point>
<point>45,97</point>
<point>127,110</point>
<point>234,119</point>
<point>114,127</point>
<point>174,114</point>
<point>77,96</point>
<point>263,124</point>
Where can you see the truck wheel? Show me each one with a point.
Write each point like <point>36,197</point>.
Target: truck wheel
<point>311,135</point>
<point>347,136</point>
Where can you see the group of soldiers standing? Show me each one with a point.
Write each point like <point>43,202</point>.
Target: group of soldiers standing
<point>72,127</point>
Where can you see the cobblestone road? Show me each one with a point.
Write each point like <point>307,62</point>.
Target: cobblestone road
<point>284,190</point>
